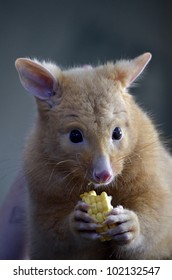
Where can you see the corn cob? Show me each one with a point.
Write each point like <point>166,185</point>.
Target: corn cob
<point>100,205</point>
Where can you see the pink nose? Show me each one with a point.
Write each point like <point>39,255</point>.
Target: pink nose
<point>103,176</point>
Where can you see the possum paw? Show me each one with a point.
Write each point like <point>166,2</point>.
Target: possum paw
<point>127,226</point>
<point>82,224</point>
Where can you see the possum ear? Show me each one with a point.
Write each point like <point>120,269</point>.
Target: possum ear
<point>127,71</point>
<point>36,79</point>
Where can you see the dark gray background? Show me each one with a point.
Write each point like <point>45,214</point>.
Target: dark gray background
<point>80,32</point>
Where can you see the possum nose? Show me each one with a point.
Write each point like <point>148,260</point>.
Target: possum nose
<point>103,176</point>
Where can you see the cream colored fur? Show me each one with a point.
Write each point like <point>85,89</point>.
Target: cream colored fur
<point>95,101</point>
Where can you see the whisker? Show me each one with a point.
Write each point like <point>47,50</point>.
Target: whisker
<point>69,174</point>
<point>63,161</point>
<point>146,147</point>
<point>73,187</point>
<point>51,175</point>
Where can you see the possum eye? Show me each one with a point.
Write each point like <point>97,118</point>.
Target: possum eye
<point>75,136</point>
<point>117,133</point>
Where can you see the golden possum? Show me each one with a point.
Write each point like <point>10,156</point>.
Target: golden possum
<point>91,134</point>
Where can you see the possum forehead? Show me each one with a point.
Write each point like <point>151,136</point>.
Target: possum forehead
<point>91,96</point>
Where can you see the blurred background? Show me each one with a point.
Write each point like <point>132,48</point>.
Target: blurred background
<point>73,33</point>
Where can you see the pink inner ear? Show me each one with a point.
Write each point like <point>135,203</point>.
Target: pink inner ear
<point>36,79</point>
<point>139,64</point>
<point>38,84</point>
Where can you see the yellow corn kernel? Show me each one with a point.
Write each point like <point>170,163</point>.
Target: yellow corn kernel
<point>99,206</point>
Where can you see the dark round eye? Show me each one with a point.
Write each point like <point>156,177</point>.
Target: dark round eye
<point>75,136</point>
<point>117,133</point>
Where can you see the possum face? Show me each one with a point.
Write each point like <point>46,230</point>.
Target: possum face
<point>92,122</point>
<point>85,116</point>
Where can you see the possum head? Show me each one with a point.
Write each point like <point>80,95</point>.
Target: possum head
<point>85,115</point>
